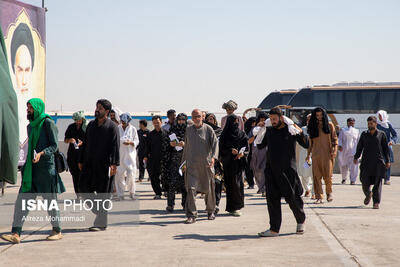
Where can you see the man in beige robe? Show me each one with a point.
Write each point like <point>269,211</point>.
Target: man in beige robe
<point>200,152</point>
<point>323,149</point>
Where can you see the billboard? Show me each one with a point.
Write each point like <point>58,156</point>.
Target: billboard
<point>23,27</point>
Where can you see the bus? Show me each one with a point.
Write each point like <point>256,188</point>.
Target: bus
<point>344,100</point>
<point>276,98</point>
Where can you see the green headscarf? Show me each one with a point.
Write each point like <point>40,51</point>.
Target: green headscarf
<point>36,125</point>
<point>80,115</point>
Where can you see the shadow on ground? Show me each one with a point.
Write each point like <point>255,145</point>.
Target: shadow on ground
<point>218,238</point>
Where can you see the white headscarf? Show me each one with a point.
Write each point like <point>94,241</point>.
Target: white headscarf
<point>385,118</point>
<point>118,112</point>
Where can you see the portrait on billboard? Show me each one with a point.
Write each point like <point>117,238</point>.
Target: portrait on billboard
<point>27,68</point>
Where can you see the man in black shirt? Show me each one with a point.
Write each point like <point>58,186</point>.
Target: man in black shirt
<point>153,154</point>
<point>281,173</point>
<point>73,136</point>
<point>99,160</point>
<point>143,133</point>
<point>375,160</point>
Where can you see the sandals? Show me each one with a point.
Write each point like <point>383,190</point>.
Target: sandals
<point>300,228</point>
<point>318,201</point>
<point>268,233</point>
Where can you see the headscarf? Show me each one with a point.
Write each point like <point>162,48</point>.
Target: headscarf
<point>36,126</point>
<point>117,112</point>
<point>231,134</point>
<point>261,115</point>
<point>125,117</point>
<point>217,130</point>
<point>385,118</point>
<point>248,124</point>
<point>230,104</point>
<point>182,116</point>
<point>179,129</point>
<point>80,115</point>
<point>213,116</point>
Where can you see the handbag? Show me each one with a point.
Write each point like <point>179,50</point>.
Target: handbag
<point>60,162</point>
<point>59,158</point>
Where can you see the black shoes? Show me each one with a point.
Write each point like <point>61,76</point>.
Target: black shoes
<point>368,198</point>
<point>97,229</point>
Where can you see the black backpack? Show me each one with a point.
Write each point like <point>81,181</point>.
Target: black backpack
<point>59,158</point>
<point>60,161</point>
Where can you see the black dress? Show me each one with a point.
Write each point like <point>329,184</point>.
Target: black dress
<point>232,137</point>
<point>74,154</point>
<point>171,159</point>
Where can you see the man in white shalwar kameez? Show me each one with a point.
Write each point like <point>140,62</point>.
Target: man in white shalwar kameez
<point>129,140</point>
<point>348,139</point>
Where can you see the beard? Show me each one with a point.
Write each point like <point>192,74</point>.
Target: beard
<point>277,125</point>
<point>371,128</point>
<point>29,116</point>
<point>97,114</point>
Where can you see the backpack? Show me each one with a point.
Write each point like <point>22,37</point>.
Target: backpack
<point>59,158</point>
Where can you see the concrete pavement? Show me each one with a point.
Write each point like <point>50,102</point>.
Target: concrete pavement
<point>340,233</point>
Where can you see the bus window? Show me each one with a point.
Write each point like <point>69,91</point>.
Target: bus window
<point>351,98</point>
<point>286,98</point>
<point>320,99</point>
<point>386,100</point>
<point>336,100</point>
<point>397,100</point>
<point>368,100</point>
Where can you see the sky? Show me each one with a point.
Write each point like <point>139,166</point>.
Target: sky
<point>153,55</point>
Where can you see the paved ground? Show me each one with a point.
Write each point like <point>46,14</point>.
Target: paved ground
<point>343,232</point>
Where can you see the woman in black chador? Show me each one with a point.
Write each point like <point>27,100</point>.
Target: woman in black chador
<point>171,162</point>
<point>231,142</point>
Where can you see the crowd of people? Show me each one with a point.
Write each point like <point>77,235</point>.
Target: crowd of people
<point>197,157</point>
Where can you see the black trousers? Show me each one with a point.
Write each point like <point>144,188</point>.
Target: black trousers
<point>141,167</point>
<point>155,181</point>
<point>76,173</point>
<point>249,173</point>
<point>218,191</point>
<point>283,183</point>
<point>96,185</point>
<point>376,182</point>
<point>275,212</point>
<point>171,196</point>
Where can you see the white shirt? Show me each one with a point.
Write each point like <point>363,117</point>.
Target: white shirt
<point>127,153</point>
<point>348,139</point>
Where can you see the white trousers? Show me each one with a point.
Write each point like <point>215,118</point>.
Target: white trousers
<point>346,165</point>
<point>121,184</point>
<point>306,181</point>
